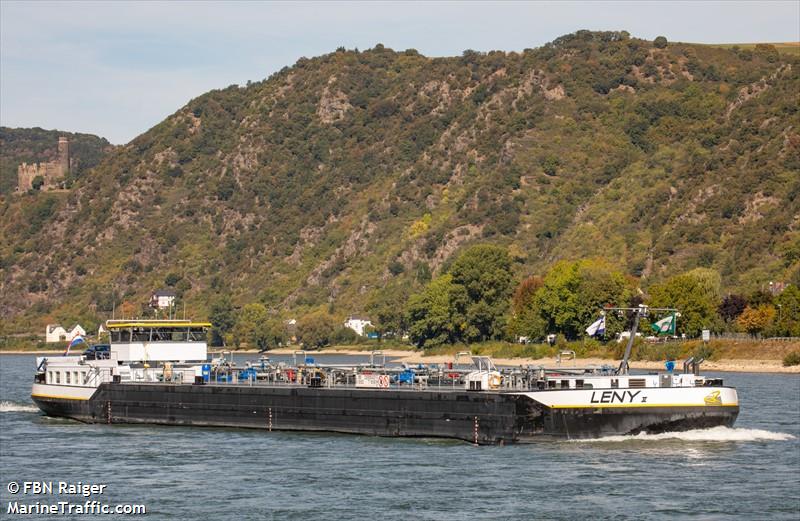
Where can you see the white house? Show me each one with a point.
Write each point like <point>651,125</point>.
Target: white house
<point>162,299</point>
<point>291,329</point>
<point>56,333</point>
<point>357,324</point>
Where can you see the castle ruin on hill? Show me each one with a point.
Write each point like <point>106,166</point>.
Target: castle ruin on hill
<point>50,172</point>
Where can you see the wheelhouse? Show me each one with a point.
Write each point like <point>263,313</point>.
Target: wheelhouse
<point>158,340</point>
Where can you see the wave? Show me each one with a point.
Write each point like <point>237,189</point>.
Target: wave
<point>712,434</point>
<point>6,406</point>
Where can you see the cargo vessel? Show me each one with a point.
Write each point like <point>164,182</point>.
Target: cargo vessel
<point>159,372</point>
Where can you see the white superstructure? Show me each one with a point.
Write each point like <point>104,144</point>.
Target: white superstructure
<point>140,351</point>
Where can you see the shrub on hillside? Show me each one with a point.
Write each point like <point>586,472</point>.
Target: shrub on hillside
<point>792,358</point>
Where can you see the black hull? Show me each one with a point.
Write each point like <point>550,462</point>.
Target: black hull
<point>475,417</point>
<point>600,423</point>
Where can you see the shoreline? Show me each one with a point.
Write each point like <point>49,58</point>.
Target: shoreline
<point>415,357</point>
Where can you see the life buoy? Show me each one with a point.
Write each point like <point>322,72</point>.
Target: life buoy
<point>494,381</point>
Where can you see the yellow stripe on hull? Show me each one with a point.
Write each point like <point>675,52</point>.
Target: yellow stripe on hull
<point>629,405</point>
<point>59,397</point>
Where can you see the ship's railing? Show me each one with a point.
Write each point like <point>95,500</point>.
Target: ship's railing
<point>436,377</point>
<point>98,375</point>
<point>442,379</point>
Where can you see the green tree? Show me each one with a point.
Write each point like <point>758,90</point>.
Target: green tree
<point>396,267</point>
<point>550,165</point>
<point>223,318</point>
<point>788,308</point>
<point>660,42</point>
<point>387,310</point>
<point>768,52</point>
<point>171,279</point>
<point>573,293</point>
<point>485,273</point>
<point>525,317</point>
<point>316,330</point>
<point>695,294</point>
<point>759,297</point>
<point>436,315</point>
<point>251,327</point>
<point>344,335</point>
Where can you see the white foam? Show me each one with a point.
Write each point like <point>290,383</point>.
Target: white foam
<point>6,406</point>
<point>712,434</point>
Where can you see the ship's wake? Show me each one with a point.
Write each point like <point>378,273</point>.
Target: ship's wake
<point>6,406</point>
<point>716,434</point>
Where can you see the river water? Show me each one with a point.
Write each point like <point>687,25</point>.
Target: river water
<point>749,472</point>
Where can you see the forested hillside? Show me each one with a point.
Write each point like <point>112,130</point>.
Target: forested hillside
<point>36,145</point>
<point>358,173</point>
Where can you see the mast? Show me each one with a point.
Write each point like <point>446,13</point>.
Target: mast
<point>623,366</point>
<point>640,311</point>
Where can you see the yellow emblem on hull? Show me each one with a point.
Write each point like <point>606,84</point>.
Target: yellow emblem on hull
<point>713,399</point>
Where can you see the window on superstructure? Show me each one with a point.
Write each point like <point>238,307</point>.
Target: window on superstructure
<point>169,334</point>
<point>67,380</point>
<point>565,384</point>
<point>83,377</point>
<point>75,377</point>
<point>114,334</point>
<point>141,334</point>
<point>49,377</point>
<point>58,377</point>
<point>122,335</point>
<point>197,334</point>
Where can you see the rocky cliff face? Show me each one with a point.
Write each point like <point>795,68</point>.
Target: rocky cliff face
<point>344,173</point>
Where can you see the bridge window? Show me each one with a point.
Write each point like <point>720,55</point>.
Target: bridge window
<point>197,334</point>
<point>120,335</point>
<point>164,334</point>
